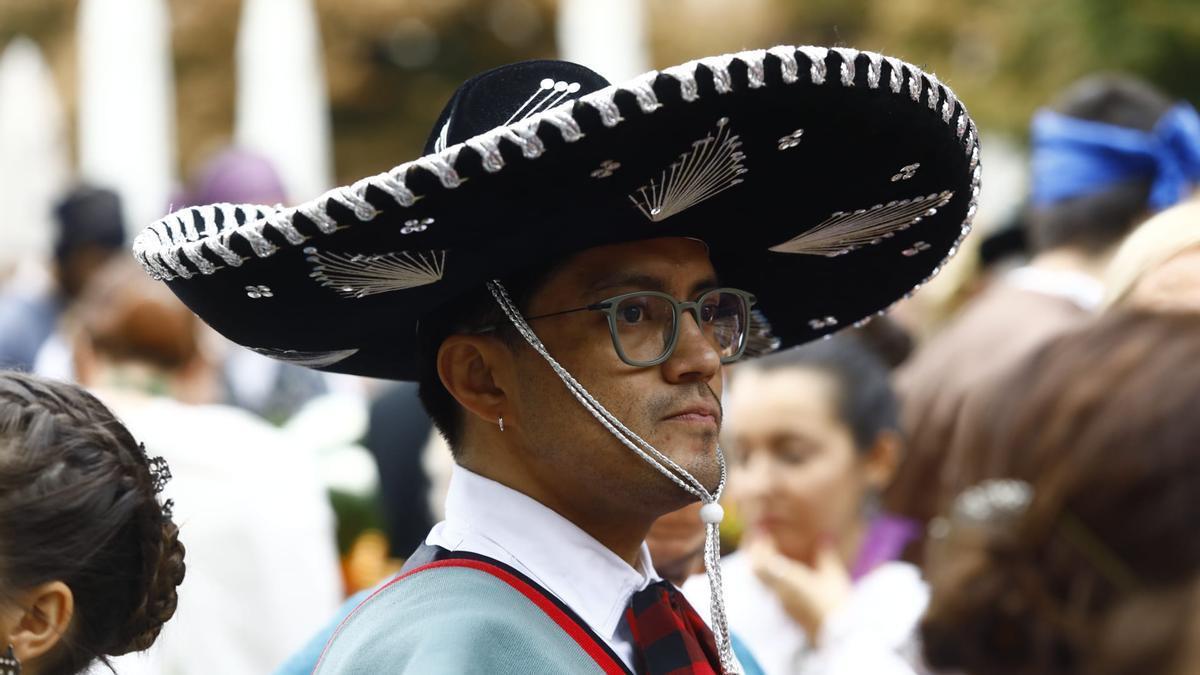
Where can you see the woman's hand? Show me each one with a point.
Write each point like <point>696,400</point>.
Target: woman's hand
<point>809,594</point>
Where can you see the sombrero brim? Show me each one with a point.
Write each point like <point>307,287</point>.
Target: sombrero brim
<point>830,183</point>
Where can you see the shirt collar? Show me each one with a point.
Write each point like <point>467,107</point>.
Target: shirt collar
<point>588,577</point>
<point>1083,290</point>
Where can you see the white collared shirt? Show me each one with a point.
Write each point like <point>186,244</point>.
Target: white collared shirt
<point>485,517</point>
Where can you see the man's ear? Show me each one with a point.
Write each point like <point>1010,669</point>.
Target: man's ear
<point>883,458</point>
<point>476,370</point>
<point>50,607</point>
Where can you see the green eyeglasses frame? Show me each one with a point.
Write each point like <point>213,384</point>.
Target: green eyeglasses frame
<point>609,307</point>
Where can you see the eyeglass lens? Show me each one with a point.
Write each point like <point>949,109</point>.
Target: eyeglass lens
<point>645,324</point>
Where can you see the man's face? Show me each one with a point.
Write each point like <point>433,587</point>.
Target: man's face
<point>674,406</point>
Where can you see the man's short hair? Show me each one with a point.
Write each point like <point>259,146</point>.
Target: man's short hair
<point>471,313</point>
<point>1096,221</point>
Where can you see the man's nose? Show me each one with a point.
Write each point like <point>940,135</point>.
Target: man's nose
<point>695,358</point>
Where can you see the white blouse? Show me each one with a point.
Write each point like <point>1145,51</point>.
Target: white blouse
<point>874,632</point>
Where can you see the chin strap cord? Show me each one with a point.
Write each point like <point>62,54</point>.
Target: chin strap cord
<point>711,513</point>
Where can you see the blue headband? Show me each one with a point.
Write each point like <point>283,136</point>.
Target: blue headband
<point>1074,157</point>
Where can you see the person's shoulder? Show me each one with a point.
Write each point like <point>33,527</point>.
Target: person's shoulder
<point>452,619</point>
<point>896,578</point>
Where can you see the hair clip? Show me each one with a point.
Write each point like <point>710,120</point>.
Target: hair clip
<point>992,501</point>
<point>160,472</point>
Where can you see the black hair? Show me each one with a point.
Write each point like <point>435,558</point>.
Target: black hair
<point>78,505</point>
<point>866,402</point>
<point>473,312</point>
<point>1094,222</point>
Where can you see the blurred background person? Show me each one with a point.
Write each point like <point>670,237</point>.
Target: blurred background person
<point>263,571</point>
<point>813,440</point>
<point>269,388</point>
<point>89,557</point>
<point>90,232</point>
<point>1111,151</point>
<point>1158,266</point>
<point>1074,550</point>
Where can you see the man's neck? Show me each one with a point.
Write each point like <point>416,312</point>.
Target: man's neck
<point>620,532</point>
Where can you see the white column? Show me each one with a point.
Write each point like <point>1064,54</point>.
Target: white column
<point>127,103</point>
<point>282,102</point>
<point>608,36</point>
<point>34,158</point>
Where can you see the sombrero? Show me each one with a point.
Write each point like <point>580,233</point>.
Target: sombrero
<point>828,182</point>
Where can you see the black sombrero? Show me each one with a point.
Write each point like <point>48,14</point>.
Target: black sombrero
<point>830,183</point>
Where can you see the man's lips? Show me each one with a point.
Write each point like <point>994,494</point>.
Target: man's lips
<point>698,414</point>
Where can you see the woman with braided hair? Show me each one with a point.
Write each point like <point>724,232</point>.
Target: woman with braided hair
<point>89,557</point>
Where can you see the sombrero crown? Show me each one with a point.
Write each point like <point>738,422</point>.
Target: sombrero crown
<point>829,182</point>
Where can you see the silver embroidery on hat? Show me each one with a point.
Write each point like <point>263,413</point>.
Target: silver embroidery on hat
<point>713,165</point>
<point>357,275</point>
<point>844,231</point>
<point>916,249</point>
<point>310,359</point>
<point>906,172</point>
<point>826,322</point>
<point>548,94</point>
<point>256,292</point>
<point>791,140</point>
<point>416,225</point>
<point>607,168</point>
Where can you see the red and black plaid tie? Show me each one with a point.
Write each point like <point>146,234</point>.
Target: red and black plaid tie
<point>669,637</point>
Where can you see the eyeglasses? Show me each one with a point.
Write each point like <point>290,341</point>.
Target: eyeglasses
<point>645,324</point>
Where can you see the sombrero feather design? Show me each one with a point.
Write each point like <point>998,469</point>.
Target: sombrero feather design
<point>829,182</point>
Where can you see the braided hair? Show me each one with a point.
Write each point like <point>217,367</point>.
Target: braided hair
<point>78,504</point>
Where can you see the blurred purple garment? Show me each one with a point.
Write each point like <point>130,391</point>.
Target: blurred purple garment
<point>238,176</point>
<point>885,541</point>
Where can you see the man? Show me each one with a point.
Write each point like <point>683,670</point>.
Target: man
<point>1112,151</point>
<point>90,232</point>
<point>561,272</point>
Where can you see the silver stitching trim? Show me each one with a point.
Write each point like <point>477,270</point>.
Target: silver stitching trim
<point>756,68</point>
<point>602,101</point>
<point>392,182</point>
<point>847,68</point>
<point>220,246</point>
<point>685,73</point>
<point>787,60</point>
<point>564,120</point>
<point>354,197</point>
<point>874,69</point>
<point>896,78</point>
<point>722,80</point>
<point>258,243</point>
<point>159,247</point>
<point>643,89</point>
<point>816,57</point>
<point>934,93</point>
<point>192,250</point>
<point>283,225</point>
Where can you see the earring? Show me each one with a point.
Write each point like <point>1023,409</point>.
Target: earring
<point>498,419</point>
<point>9,664</point>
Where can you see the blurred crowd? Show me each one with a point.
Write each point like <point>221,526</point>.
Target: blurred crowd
<point>1006,485</point>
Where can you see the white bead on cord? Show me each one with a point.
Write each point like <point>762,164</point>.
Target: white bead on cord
<point>711,513</point>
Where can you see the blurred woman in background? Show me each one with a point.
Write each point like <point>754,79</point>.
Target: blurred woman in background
<point>811,433</point>
<point>1074,548</point>
<point>263,564</point>
<point>89,558</point>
